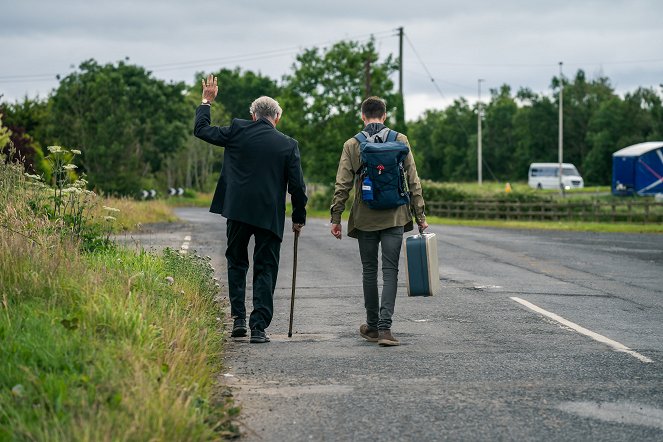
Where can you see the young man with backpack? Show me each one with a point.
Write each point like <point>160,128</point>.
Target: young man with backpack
<point>379,164</point>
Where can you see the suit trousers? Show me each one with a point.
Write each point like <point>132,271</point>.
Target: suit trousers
<point>266,255</point>
<point>379,311</point>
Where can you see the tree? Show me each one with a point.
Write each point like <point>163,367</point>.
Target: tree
<point>238,89</point>
<point>321,101</point>
<point>619,123</point>
<point>446,144</point>
<point>499,140</point>
<point>582,98</point>
<point>124,121</point>
<point>5,134</point>
<point>194,166</point>
<point>25,119</point>
<point>535,132</point>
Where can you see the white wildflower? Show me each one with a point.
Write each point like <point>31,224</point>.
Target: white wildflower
<point>34,177</point>
<point>75,151</point>
<point>110,218</point>
<point>111,209</point>
<point>170,280</point>
<point>70,167</point>
<point>55,149</point>
<point>18,390</point>
<point>71,190</point>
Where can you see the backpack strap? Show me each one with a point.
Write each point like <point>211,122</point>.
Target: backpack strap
<point>361,137</point>
<point>392,135</point>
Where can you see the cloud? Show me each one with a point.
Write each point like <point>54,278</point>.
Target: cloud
<point>517,42</point>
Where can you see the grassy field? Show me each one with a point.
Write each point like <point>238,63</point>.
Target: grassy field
<point>552,225</point>
<point>542,225</point>
<point>100,343</point>
<point>489,190</point>
<point>491,187</point>
<point>197,199</point>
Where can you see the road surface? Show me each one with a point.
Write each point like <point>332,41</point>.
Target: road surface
<point>534,335</point>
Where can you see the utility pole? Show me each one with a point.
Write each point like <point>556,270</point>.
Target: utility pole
<point>479,153</point>
<point>561,129</point>
<point>400,113</point>
<point>400,61</point>
<point>367,75</point>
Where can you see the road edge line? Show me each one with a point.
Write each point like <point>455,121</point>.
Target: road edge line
<point>617,346</point>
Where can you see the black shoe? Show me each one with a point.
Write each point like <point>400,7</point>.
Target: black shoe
<point>239,328</point>
<point>259,336</point>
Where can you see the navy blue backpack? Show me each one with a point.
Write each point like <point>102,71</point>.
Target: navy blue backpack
<point>381,173</point>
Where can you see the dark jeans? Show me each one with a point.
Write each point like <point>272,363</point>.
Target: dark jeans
<point>378,314</point>
<point>266,256</point>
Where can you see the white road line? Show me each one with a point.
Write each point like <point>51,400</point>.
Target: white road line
<point>583,331</point>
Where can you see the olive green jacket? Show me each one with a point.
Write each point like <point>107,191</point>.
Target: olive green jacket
<point>361,216</point>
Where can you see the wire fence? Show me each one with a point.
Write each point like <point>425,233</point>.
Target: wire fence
<point>641,212</point>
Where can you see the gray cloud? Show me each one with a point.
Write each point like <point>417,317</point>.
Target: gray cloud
<point>516,42</point>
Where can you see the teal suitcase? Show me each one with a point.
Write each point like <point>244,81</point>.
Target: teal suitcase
<point>421,266</point>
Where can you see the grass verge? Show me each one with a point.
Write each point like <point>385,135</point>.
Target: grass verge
<point>191,199</point>
<point>551,225</point>
<point>99,343</point>
<point>542,225</point>
<point>133,214</point>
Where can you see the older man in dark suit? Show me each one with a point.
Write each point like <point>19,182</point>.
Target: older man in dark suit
<point>259,165</point>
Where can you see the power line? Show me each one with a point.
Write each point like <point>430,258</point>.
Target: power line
<point>442,95</point>
<point>543,65</point>
<point>430,76</point>
<point>219,60</point>
<point>464,86</point>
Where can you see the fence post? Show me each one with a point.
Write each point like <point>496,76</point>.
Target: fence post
<point>646,219</point>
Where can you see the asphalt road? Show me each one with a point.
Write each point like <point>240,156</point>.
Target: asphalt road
<point>474,364</point>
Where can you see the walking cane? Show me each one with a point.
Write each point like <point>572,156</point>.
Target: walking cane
<point>294,280</point>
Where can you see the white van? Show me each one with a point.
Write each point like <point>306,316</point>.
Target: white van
<point>546,176</point>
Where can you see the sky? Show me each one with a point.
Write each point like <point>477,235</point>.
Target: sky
<point>455,43</point>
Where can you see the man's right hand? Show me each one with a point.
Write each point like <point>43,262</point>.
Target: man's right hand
<point>337,230</point>
<point>210,88</point>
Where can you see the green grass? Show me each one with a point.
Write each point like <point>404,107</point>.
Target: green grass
<point>542,225</point>
<point>132,214</point>
<point>551,225</point>
<point>197,199</point>
<point>489,188</point>
<point>103,344</point>
<point>101,347</point>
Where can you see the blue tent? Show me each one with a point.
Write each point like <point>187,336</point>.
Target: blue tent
<point>638,169</point>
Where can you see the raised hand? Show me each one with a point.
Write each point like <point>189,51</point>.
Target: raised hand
<point>210,88</point>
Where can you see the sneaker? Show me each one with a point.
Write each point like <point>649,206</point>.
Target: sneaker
<point>259,336</point>
<point>386,339</point>
<point>239,328</point>
<point>370,334</point>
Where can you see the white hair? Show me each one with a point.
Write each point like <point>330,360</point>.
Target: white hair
<point>266,107</point>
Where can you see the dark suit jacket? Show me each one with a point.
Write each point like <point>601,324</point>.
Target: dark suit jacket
<point>259,164</point>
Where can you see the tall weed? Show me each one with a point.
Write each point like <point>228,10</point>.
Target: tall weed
<point>100,343</point>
